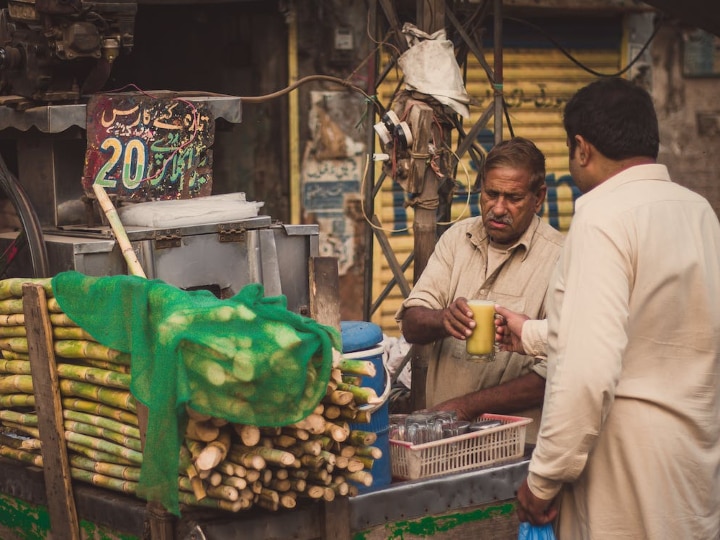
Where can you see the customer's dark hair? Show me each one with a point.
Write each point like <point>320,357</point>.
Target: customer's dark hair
<point>616,117</point>
<point>518,152</point>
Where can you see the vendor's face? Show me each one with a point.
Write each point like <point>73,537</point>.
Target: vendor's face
<point>508,205</point>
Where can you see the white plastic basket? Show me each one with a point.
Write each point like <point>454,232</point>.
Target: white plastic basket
<point>461,453</point>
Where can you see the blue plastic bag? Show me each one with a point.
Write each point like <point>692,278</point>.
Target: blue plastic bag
<point>528,531</point>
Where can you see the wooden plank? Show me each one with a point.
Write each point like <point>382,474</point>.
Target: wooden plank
<point>162,524</point>
<point>56,465</point>
<point>325,291</point>
<point>325,309</point>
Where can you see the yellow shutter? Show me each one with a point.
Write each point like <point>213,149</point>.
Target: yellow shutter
<point>537,83</point>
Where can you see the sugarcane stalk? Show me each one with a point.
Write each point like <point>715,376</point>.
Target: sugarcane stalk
<point>98,455</point>
<point>357,367</point>
<point>332,412</point>
<point>16,383</point>
<point>11,306</point>
<point>78,348</point>
<point>94,375</point>
<point>12,331</point>
<point>214,452</point>
<point>13,319</point>
<point>21,455</point>
<point>102,422</point>
<point>361,477</point>
<point>340,487</point>
<point>313,423</point>
<point>25,419</point>
<point>249,435</point>
<point>362,394</point>
<point>12,287</point>
<point>102,433</point>
<point>101,480</point>
<point>104,446</point>
<point>59,319</point>
<point>218,504</point>
<point>339,397</point>
<point>72,333</point>
<point>126,248</point>
<point>356,464</point>
<point>269,455</point>
<point>17,400</point>
<point>9,355</point>
<point>201,431</point>
<point>362,438</point>
<point>102,364</point>
<point>100,409</point>
<point>338,433</point>
<point>368,451</point>
<point>115,398</point>
<point>31,444</point>
<point>196,483</point>
<point>247,459</point>
<point>123,472</point>
<point>328,494</point>
<point>234,481</point>
<point>288,500</point>
<point>15,367</point>
<point>14,344</point>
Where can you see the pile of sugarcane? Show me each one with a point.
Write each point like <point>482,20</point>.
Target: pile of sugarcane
<point>222,464</point>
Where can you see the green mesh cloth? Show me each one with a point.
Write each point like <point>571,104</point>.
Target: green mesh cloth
<point>247,359</point>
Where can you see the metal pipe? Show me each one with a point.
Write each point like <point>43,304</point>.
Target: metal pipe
<point>498,68</point>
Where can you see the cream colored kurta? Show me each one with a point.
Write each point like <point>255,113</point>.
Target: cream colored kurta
<point>457,268</point>
<point>632,405</point>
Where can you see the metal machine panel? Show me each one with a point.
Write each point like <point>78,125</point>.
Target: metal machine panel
<point>222,258</point>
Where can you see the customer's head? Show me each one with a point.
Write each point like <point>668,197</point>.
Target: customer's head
<point>513,189</point>
<point>615,116</point>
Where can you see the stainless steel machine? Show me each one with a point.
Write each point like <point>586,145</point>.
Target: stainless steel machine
<point>221,257</point>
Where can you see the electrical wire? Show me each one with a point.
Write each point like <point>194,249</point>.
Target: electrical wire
<point>577,62</point>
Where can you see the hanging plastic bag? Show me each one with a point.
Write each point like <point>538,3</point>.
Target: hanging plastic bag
<point>529,531</point>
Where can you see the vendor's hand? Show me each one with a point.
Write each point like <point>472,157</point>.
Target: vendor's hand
<point>458,319</point>
<point>508,330</point>
<point>533,509</point>
<point>456,405</point>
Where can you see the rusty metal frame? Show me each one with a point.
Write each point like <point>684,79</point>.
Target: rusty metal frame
<point>372,188</point>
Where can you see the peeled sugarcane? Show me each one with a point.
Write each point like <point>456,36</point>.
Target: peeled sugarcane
<point>215,452</point>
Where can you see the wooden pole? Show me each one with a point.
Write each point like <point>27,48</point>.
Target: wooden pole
<point>431,18</point>
<point>56,465</point>
<point>325,309</point>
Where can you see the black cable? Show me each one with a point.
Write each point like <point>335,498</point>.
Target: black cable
<point>577,62</point>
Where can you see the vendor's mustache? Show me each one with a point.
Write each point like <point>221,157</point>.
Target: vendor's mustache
<point>506,220</point>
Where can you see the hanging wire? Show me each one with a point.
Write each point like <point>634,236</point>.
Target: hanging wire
<point>576,61</point>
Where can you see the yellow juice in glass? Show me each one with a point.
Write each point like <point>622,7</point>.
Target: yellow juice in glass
<point>482,340</point>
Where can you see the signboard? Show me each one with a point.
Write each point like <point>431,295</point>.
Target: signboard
<point>145,148</point>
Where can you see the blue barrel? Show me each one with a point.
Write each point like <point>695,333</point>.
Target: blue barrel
<point>362,341</point>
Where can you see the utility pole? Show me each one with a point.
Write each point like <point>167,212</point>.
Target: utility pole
<point>430,19</point>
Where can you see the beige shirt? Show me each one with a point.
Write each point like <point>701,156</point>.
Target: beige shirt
<point>631,418</point>
<point>457,268</point>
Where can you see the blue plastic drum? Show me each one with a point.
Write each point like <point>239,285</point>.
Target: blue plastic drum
<point>361,341</point>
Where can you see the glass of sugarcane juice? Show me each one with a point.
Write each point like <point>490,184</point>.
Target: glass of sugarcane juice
<point>481,343</point>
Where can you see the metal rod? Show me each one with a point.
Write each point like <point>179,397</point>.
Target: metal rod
<point>498,68</point>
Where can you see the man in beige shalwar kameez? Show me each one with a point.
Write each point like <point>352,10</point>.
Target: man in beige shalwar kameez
<point>629,444</point>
